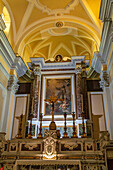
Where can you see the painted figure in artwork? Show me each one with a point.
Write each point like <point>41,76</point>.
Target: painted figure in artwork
<point>62,89</point>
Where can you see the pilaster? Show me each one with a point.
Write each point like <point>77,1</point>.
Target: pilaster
<point>108,111</point>
<point>10,103</point>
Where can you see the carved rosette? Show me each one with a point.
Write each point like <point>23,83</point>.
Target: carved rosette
<point>50,144</point>
<point>12,84</point>
<point>104,79</point>
<point>78,91</point>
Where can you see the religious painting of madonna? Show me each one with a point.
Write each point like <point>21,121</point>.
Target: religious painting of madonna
<point>62,89</point>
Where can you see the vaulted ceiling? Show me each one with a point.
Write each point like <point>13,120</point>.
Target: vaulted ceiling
<point>46,28</point>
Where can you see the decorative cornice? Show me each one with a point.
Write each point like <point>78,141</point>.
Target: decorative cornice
<point>96,63</point>
<point>2,23</point>
<point>60,65</point>
<point>92,73</point>
<point>7,53</point>
<point>19,66</point>
<point>47,162</point>
<point>12,84</point>
<point>6,50</point>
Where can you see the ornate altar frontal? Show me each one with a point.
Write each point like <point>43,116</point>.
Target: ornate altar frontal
<point>53,152</point>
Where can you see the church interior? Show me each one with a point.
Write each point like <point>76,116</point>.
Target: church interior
<point>56,85</point>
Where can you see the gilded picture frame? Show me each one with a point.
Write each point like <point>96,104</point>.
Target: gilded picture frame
<point>59,83</point>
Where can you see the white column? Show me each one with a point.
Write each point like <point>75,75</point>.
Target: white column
<point>10,103</point>
<point>4,92</point>
<point>108,111</point>
<point>108,102</point>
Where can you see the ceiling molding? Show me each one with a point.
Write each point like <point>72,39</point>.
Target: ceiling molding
<point>12,18</point>
<point>70,6</point>
<point>61,45</point>
<point>46,21</point>
<point>90,13</point>
<point>24,20</point>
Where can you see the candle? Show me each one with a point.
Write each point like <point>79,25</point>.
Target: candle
<point>72,103</point>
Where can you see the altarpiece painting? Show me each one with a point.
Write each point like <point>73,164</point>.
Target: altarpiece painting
<point>62,89</point>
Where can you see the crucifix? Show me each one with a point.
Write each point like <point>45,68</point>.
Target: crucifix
<point>53,100</point>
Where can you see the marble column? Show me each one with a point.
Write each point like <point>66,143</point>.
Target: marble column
<point>78,91</point>
<point>31,96</point>
<point>37,76</point>
<point>84,90</point>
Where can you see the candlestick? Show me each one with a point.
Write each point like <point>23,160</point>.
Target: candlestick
<point>19,135</point>
<point>65,127</point>
<point>83,126</point>
<point>30,127</point>
<point>74,132</point>
<point>40,134</point>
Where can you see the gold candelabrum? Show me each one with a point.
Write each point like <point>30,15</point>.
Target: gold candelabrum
<point>83,125</point>
<point>74,128</point>
<point>40,133</point>
<point>53,100</point>
<point>65,127</point>
<point>19,135</point>
<point>30,127</point>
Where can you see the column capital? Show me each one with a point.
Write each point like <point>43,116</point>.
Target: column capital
<point>37,71</point>
<point>12,84</point>
<point>78,70</point>
<point>104,79</point>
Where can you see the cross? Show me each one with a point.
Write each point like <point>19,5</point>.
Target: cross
<point>53,100</point>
